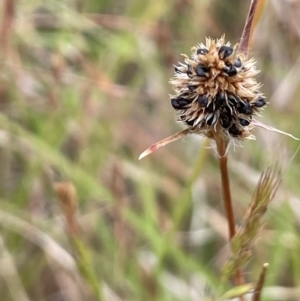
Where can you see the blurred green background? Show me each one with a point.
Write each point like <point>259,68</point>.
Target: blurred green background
<point>83,91</point>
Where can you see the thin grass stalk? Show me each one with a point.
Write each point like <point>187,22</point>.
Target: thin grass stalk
<point>227,195</point>
<point>67,195</point>
<point>228,208</point>
<point>247,31</point>
<point>260,283</point>
<point>6,26</point>
<point>222,151</point>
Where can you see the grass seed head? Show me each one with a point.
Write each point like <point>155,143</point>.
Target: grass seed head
<point>216,91</point>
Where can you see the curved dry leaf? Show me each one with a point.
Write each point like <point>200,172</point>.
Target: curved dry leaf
<point>164,142</point>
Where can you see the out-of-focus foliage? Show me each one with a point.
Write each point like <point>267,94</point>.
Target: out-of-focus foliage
<point>83,91</point>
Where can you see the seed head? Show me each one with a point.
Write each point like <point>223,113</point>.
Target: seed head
<point>216,95</point>
<point>216,91</point>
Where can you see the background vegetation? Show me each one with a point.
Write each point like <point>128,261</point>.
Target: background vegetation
<point>83,91</point>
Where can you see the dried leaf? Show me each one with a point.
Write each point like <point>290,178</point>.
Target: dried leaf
<point>164,142</point>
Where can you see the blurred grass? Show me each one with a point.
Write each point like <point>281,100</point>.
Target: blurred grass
<point>83,91</point>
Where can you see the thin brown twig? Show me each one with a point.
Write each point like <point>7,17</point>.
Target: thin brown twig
<point>260,283</point>
<point>6,26</point>
<point>246,35</point>
<point>227,195</point>
<point>222,151</point>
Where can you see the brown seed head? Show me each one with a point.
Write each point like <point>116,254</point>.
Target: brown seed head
<point>216,95</point>
<point>216,91</point>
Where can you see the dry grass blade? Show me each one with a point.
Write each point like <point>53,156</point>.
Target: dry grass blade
<point>270,128</point>
<point>164,142</point>
<point>40,238</point>
<point>240,244</point>
<point>246,35</point>
<point>10,274</point>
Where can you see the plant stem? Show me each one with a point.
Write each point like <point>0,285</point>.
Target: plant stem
<point>246,35</point>
<point>227,195</point>
<point>260,283</point>
<point>222,148</point>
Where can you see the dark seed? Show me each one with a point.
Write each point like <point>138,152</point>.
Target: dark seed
<point>234,130</point>
<point>244,122</point>
<point>219,101</point>
<point>202,100</point>
<point>227,110</point>
<point>210,120</point>
<point>192,88</point>
<point>260,102</point>
<point>201,71</point>
<point>189,71</point>
<point>225,120</point>
<point>180,103</point>
<point>202,51</point>
<point>233,100</point>
<point>225,51</point>
<point>177,70</point>
<point>230,71</point>
<point>205,69</point>
<point>244,108</point>
<point>190,122</point>
<point>210,108</point>
<point>237,63</point>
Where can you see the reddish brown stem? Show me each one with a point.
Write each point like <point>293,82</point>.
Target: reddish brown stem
<point>260,283</point>
<point>222,148</point>
<point>6,26</point>
<point>246,35</point>
<point>227,196</point>
<point>229,209</point>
